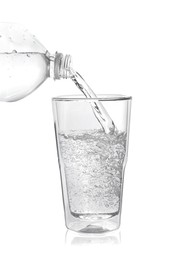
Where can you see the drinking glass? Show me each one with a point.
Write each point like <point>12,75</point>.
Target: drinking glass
<point>91,161</point>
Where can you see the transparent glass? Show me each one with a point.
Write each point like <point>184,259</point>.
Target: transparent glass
<point>92,162</point>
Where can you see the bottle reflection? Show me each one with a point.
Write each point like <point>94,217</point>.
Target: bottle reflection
<point>73,238</point>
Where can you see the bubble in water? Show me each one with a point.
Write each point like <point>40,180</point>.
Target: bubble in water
<point>93,163</point>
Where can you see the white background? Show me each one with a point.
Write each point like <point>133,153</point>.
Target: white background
<point>131,47</point>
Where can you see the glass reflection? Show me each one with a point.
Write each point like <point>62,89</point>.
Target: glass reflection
<point>74,238</point>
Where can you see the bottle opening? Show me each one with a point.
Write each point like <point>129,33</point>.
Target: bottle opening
<point>62,66</point>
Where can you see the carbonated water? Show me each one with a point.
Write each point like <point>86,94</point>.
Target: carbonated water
<point>93,165</point>
<point>98,109</point>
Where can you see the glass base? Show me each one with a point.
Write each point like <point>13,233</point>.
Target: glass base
<point>93,223</point>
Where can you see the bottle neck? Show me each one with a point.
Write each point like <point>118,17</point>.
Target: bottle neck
<point>60,66</point>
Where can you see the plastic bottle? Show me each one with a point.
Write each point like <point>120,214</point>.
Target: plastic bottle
<point>25,63</point>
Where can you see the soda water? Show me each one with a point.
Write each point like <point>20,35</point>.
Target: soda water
<point>98,109</point>
<point>93,165</point>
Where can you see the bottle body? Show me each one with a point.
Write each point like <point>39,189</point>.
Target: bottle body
<point>21,73</point>
<point>25,63</point>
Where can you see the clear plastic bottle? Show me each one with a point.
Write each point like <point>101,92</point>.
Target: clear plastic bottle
<point>25,63</point>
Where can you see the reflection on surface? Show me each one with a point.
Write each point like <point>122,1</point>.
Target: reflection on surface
<point>73,238</point>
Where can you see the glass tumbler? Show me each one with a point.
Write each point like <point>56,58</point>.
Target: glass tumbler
<point>91,161</point>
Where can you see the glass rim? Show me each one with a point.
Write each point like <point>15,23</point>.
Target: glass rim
<point>100,97</point>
